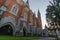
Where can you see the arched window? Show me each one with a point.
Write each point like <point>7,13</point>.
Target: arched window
<point>3,9</point>
<point>14,10</point>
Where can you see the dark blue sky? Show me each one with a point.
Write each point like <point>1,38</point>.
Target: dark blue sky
<point>41,5</point>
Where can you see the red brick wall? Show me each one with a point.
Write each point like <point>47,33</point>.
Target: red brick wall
<point>2,2</point>
<point>9,4</point>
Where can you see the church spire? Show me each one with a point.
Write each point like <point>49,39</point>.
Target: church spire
<point>39,15</point>
<point>27,2</point>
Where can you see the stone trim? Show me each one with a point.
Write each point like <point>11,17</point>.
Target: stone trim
<point>12,9</point>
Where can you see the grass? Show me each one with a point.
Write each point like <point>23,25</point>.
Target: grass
<point>58,38</point>
<point>17,38</point>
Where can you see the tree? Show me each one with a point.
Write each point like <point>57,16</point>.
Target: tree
<point>53,11</point>
<point>53,14</point>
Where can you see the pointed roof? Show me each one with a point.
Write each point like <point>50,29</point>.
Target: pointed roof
<point>27,2</point>
<point>39,12</point>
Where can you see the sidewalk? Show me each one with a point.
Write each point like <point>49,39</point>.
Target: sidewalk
<point>47,38</point>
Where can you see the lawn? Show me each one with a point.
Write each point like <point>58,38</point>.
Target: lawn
<point>17,38</point>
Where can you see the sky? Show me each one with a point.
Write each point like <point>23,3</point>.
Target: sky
<point>42,6</point>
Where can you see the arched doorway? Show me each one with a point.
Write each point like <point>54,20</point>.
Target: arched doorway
<point>6,30</point>
<point>24,32</point>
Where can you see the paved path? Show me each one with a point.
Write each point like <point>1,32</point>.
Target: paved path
<point>47,38</point>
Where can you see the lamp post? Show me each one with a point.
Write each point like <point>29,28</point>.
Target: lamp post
<point>56,29</point>
<point>56,34</point>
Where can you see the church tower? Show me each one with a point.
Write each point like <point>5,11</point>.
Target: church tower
<point>39,18</point>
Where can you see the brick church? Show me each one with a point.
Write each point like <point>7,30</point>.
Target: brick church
<point>16,18</point>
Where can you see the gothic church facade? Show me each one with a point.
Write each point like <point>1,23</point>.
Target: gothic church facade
<point>16,18</point>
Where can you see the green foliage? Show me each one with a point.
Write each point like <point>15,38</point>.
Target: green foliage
<point>53,11</point>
